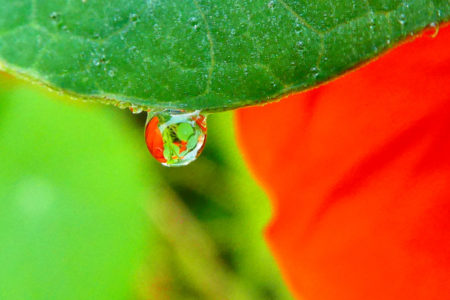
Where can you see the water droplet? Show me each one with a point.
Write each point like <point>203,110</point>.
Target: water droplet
<point>315,72</point>
<point>136,109</point>
<point>123,105</point>
<point>96,62</point>
<point>298,28</point>
<point>193,21</point>
<point>134,18</point>
<point>54,15</point>
<point>103,59</point>
<point>371,16</point>
<point>402,19</point>
<point>175,138</point>
<point>111,73</point>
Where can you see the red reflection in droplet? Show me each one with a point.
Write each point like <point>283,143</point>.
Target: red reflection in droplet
<point>154,141</point>
<point>201,122</point>
<point>182,145</point>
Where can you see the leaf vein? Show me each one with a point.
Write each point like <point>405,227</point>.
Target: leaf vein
<point>300,18</point>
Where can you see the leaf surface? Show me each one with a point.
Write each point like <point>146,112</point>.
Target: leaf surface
<point>201,54</point>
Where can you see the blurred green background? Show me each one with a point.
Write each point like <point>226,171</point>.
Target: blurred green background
<point>86,213</point>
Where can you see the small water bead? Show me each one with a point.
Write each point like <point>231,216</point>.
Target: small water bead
<point>315,72</point>
<point>134,18</point>
<point>111,73</point>
<point>193,21</point>
<point>298,28</point>
<point>54,15</point>
<point>123,105</point>
<point>175,138</point>
<point>135,109</point>
<point>402,19</point>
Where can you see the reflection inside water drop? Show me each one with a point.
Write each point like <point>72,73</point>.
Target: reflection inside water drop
<point>175,138</point>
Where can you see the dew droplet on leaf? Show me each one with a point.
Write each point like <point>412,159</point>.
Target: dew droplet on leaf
<point>111,73</point>
<point>175,138</point>
<point>54,15</point>
<point>134,18</point>
<point>315,72</point>
<point>402,19</point>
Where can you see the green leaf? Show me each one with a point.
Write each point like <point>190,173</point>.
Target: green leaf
<point>193,140</point>
<point>72,201</point>
<point>201,54</point>
<point>184,131</point>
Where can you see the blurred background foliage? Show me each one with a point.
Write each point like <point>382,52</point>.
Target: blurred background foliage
<point>86,213</point>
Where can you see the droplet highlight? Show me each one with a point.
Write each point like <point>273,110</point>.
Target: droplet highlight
<point>175,138</point>
<point>402,19</point>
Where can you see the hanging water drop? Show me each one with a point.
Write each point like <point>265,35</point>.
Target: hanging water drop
<point>135,109</point>
<point>175,138</point>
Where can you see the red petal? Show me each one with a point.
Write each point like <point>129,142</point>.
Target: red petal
<point>359,174</point>
<point>154,141</point>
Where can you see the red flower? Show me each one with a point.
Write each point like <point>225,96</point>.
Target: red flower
<point>359,174</point>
